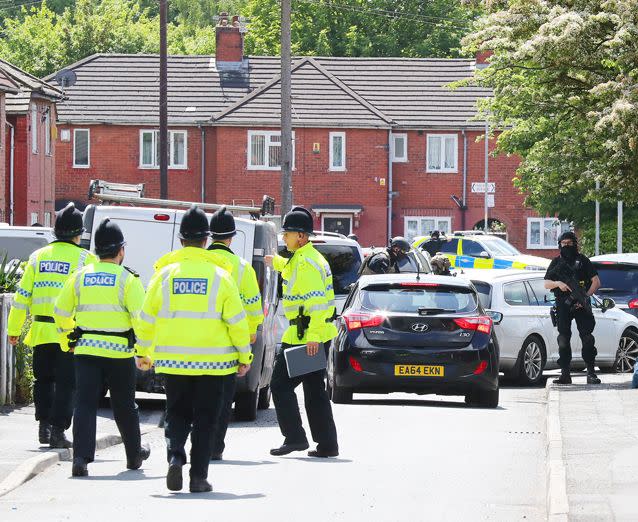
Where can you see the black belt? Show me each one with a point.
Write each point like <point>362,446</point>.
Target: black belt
<point>43,319</point>
<point>77,334</point>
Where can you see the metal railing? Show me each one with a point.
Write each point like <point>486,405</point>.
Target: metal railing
<point>7,355</point>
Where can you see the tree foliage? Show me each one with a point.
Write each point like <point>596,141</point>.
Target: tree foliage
<point>565,80</point>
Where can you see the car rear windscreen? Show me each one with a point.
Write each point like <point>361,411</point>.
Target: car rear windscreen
<point>344,262</point>
<point>408,299</point>
<point>618,279</point>
<point>20,247</point>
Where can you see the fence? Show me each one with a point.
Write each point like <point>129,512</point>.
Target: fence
<point>7,355</point>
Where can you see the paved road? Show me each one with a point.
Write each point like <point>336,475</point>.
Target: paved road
<point>403,458</point>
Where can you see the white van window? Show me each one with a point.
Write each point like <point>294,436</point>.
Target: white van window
<point>20,247</point>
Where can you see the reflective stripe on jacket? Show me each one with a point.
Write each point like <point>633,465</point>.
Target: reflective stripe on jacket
<point>246,279</point>
<point>104,297</point>
<point>307,282</point>
<point>44,276</point>
<point>192,321</point>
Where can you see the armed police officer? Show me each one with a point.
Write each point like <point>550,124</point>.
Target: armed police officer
<point>193,328</point>
<point>308,301</point>
<point>393,259</point>
<point>434,243</point>
<point>96,314</point>
<point>573,279</point>
<point>44,276</point>
<point>222,228</point>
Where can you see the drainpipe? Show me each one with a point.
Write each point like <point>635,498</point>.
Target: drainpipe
<point>11,169</point>
<point>203,166</point>
<point>389,184</point>
<point>464,198</point>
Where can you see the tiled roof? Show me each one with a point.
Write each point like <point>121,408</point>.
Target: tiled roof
<point>27,84</point>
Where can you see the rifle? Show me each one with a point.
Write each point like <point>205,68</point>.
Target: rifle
<point>578,295</point>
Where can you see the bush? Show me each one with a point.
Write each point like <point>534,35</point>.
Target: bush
<point>24,369</point>
<point>608,229</point>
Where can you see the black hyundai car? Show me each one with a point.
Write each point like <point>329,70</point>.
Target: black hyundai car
<point>414,333</point>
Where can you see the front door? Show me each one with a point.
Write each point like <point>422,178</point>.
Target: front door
<point>338,224</point>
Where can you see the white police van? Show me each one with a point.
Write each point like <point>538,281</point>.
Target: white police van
<point>151,230</point>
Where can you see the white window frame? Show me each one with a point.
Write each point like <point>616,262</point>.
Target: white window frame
<point>88,149</point>
<point>552,245</point>
<point>47,219</point>
<point>171,148</point>
<point>349,217</point>
<point>395,158</point>
<point>267,143</point>
<point>436,219</point>
<point>35,218</point>
<point>47,133</point>
<point>34,128</point>
<point>450,170</point>
<point>331,166</point>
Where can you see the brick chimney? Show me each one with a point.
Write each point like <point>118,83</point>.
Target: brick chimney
<point>483,59</point>
<point>229,40</point>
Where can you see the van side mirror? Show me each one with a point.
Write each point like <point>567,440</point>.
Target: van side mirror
<point>496,317</point>
<point>607,304</point>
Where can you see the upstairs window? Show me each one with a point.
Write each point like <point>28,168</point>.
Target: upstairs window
<point>34,128</point>
<point>442,153</point>
<point>81,148</point>
<point>338,151</point>
<point>177,149</point>
<point>399,147</point>
<point>264,150</point>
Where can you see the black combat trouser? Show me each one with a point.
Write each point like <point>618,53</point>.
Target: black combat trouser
<point>317,402</point>
<point>217,444</point>
<point>193,405</point>
<point>91,372</point>
<point>54,382</point>
<point>585,323</point>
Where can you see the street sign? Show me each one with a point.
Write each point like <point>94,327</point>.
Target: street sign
<point>480,188</point>
<point>490,201</point>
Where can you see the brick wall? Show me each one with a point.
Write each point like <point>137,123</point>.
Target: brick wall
<point>115,156</point>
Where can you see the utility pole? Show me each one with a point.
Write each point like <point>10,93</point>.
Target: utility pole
<point>619,231</point>
<point>597,217</point>
<point>487,152</point>
<point>163,102</point>
<point>286,110</point>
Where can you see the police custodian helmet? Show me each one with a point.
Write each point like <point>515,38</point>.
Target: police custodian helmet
<point>68,222</point>
<point>298,220</point>
<point>222,224</point>
<point>108,238</point>
<point>194,224</point>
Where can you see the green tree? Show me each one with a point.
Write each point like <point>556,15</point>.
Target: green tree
<point>565,79</point>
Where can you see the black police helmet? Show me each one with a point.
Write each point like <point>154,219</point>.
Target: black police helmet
<point>194,224</point>
<point>401,243</point>
<point>108,238</point>
<point>298,220</point>
<point>68,222</point>
<point>568,235</point>
<point>222,224</point>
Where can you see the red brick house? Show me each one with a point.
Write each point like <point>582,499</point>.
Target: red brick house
<point>7,86</point>
<point>27,186</point>
<point>381,145</point>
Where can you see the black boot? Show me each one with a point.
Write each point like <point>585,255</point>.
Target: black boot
<point>58,439</point>
<point>591,375</point>
<point>565,377</point>
<point>79,468</point>
<point>145,453</point>
<point>44,432</point>
<point>174,480</point>
<point>200,485</point>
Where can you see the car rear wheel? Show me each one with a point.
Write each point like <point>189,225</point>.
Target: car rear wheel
<point>483,398</point>
<point>531,361</point>
<point>246,405</point>
<point>627,352</point>
<point>264,398</point>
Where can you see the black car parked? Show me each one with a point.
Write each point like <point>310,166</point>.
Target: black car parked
<point>418,334</point>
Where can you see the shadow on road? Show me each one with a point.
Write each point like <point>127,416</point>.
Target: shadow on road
<point>421,403</point>
<point>322,460</point>
<point>243,462</point>
<point>124,476</point>
<point>185,495</point>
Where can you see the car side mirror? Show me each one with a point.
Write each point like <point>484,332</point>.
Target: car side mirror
<point>608,304</point>
<point>496,317</point>
<point>484,255</point>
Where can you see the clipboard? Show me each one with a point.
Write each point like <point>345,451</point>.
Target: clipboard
<point>298,362</point>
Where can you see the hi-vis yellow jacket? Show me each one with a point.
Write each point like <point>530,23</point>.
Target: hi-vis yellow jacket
<point>44,276</point>
<point>307,282</point>
<point>246,279</point>
<point>101,297</point>
<point>192,321</point>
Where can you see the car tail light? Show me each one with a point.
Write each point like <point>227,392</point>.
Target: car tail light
<point>357,320</point>
<point>480,368</point>
<point>356,365</point>
<point>633,304</point>
<point>161,217</point>
<point>481,324</point>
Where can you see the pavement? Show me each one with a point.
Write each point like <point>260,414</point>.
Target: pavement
<point>403,457</point>
<point>22,456</point>
<point>598,434</point>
